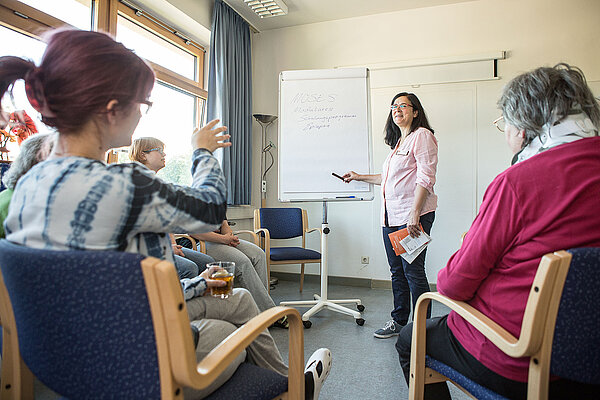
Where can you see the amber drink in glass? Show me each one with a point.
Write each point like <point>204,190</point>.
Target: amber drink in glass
<point>222,271</point>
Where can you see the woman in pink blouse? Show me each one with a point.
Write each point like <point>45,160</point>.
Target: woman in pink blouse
<point>408,199</point>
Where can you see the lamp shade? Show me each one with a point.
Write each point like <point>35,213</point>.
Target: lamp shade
<point>265,118</point>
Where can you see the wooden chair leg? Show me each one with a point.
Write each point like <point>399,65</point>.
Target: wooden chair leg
<point>301,277</point>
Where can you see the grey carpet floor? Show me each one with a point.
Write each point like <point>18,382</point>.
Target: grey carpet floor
<point>363,366</point>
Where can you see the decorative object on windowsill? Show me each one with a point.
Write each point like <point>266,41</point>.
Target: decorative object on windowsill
<point>265,121</point>
<point>19,127</point>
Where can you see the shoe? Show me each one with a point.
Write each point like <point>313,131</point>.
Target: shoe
<point>282,323</point>
<point>391,328</point>
<point>316,371</point>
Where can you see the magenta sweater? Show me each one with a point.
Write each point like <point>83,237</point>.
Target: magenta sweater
<point>546,203</point>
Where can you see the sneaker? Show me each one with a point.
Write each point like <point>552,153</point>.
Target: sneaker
<point>282,323</point>
<point>316,371</point>
<point>391,328</point>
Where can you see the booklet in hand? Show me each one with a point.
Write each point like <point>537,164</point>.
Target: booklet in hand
<point>406,246</point>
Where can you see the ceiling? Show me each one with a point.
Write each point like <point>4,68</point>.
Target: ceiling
<point>302,12</point>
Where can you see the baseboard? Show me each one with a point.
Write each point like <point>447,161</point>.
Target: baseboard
<point>341,280</point>
<point>334,280</point>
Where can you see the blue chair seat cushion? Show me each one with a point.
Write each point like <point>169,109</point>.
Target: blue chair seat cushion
<point>293,253</point>
<point>251,382</point>
<point>478,391</point>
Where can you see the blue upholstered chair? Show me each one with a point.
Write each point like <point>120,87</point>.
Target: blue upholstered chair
<point>101,324</point>
<point>285,223</point>
<point>560,332</point>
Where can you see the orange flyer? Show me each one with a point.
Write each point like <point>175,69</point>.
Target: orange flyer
<point>396,237</point>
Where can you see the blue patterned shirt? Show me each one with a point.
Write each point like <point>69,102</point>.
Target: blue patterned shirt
<point>76,203</point>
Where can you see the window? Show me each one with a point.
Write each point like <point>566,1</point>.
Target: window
<point>17,44</point>
<point>156,49</point>
<point>74,12</point>
<point>179,96</point>
<point>172,120</point>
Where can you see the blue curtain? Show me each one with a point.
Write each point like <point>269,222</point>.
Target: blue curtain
<point>230,97</point>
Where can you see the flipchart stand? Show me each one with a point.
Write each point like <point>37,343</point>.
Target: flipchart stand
<point>322,301</point>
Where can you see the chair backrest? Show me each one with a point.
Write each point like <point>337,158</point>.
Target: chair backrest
<point>282,223</point>
<point>83,320</point>
<point>576,344</point>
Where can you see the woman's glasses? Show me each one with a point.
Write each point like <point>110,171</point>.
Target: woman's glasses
<point>161,151</point>
<point>145,106</point>
<point>394,107</point>
<point>499,123</point>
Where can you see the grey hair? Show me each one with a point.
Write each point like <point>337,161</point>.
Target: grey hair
<point>27,158</point>
<point>547,95</point>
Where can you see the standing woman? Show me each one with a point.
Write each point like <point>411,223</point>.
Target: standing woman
<point>408,199</point>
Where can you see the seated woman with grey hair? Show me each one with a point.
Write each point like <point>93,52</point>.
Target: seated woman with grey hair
<point>34,149</point>
<point>546,201</point>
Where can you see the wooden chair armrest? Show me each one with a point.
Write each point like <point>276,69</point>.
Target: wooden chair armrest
<point>197,245</point>
<point>490,329</point>
<point>266,242</point>
<point>254,235</point>
<point>544,295</point>
<point>313,230</point>
<point>176,332</point>
<point>222,355</point>
<point>498,335</point>
<point>541,293</point>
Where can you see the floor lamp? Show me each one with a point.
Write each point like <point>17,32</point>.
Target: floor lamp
<point>265,121</point>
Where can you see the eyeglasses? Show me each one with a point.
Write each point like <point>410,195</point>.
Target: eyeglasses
<point>161,151</point>
<point>500,123</point>
<point>394,107</point>
<point>145,106</point>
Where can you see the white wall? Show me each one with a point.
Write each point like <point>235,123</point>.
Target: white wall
<point>534,32</point>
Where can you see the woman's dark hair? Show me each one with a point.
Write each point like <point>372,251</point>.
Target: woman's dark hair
<point>392,131</point>
<point>80,72</point>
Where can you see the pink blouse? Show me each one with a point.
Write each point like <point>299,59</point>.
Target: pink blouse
<point>414,162</point>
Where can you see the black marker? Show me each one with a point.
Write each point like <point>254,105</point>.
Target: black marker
<point>337,176</point>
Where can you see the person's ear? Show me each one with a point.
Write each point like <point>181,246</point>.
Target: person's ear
<point>111,110</point>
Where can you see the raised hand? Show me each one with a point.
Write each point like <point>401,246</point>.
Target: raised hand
<point>209,138</point>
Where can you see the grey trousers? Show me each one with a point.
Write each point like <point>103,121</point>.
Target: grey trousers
<point>250,269</point>
<point>216,319</point>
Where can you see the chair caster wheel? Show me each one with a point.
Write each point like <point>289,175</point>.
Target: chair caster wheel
<point>360,321</point>
<point>307,324</point>
<point>360,308</point>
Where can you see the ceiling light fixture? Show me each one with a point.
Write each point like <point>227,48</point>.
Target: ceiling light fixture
<point>267,8</point>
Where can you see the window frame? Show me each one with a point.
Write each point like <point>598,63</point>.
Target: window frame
<point>34,23</point>
<point>28,20</point>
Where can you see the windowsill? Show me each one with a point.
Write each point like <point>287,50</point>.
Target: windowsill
<point>240,212</point>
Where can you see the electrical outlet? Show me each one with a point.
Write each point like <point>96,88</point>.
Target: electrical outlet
<point>364,260</point>
<point>264,186</point>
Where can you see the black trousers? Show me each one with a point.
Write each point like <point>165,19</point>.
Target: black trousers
<point>444,347</point>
